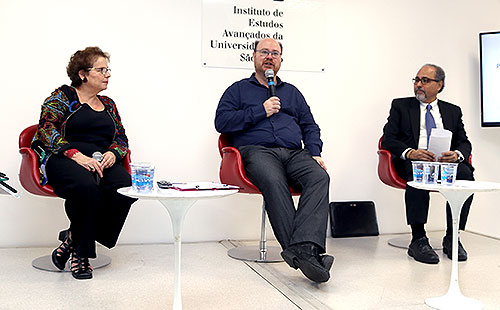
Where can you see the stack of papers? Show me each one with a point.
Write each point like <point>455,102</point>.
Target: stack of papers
<point>202,186</point>
<point>439,141</point>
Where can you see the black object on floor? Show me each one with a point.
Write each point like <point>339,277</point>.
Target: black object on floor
<point>353,219</point>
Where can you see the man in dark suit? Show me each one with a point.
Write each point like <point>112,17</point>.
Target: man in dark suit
<point>406,137</point>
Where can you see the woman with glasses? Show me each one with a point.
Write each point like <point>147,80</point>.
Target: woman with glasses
<point>83,144</point>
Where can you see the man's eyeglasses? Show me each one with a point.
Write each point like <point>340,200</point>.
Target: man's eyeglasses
<point>102,70</point>
<point>424,80</point>
<point>265,53</point>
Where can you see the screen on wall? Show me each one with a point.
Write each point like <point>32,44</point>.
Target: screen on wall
<point>489,44</point>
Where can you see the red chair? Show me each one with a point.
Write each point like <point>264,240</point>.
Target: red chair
<point>386,171</point>
<point>232,172</point>
<point>29,176</point>
<point>388,175</point>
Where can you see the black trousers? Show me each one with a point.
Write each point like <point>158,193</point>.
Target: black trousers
<point>96,211</point>
<point>417,200</point>
<point>273,170</point>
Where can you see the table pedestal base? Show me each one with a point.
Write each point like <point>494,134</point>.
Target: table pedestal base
<point>45,263</point>
<point>404,241</point>
<point>253,254</point>
<point>454,301</point>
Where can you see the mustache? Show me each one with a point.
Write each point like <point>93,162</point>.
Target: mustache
<point>421,89</point>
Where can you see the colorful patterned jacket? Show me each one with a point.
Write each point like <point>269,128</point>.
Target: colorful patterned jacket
<point>57,108</point>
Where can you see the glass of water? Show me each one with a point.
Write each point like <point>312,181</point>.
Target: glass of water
<point>448,173</point>
<point>418,171</point>
<point>431,172</point>
<point>142,176</point>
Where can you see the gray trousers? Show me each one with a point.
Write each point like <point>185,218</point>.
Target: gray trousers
<point>273,170</point>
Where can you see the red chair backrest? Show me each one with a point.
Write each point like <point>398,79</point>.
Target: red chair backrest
<point>386,171</point>
<point>26,136</point>
<point>224,140</point>
<point>231,167</point>
<point>29,175</point>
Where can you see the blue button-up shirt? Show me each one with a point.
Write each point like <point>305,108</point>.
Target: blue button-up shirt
<point>241,113</point>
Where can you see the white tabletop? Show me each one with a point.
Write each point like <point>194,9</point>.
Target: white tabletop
<point>159,193</point>
<point>460,185</point>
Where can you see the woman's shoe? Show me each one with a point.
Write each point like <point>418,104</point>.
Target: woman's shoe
<point>80,267</point>
<point>62,253</point>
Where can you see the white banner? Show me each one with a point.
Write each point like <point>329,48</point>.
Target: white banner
<point>230,28</point>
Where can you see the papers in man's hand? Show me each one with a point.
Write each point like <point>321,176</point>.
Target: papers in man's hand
<point>202,186</point>
<point>440,141</point>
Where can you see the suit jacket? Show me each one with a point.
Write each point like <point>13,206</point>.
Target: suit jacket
<point>402,130</point>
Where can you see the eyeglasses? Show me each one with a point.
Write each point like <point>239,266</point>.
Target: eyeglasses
<point>265,53</point>
<point>424,80</point>
<point>102,70</point>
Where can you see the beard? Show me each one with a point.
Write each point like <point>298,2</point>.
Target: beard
<point>421,96</point>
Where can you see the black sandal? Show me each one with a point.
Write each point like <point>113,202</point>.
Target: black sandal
<point>62,253</point>
<point>80,267</point>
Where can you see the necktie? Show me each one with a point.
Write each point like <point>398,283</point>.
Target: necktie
<point>429,122</point>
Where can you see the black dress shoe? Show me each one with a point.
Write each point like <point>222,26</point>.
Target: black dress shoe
<point>422,251</point>
<point>447,248</point>
<point>306,258</point>
<point>326,261</point>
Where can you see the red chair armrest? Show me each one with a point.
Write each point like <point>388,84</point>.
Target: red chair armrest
<point>29,175</point>
<point>232,171</point>
<point>386,171</point>
<point>126,162</point>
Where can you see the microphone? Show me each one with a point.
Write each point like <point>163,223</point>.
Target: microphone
<point>270,82</point>
<point>97,156</point>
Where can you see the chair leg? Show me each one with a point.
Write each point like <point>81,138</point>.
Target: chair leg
<point>45,263</point>
<point>261,253</point>
<point>263,236</point>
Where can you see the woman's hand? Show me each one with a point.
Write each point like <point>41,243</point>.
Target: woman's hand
<point>88,163</point>
<point>108,159</point>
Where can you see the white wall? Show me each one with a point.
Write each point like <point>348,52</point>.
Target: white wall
<point>167,101</point>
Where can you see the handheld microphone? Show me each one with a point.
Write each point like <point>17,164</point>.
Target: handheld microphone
<point>270,82</point>
<point>97,156</point>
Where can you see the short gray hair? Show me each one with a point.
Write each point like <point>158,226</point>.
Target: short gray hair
<point>439,74</point>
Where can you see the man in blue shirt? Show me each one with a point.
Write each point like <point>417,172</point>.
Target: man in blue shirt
<point>269,132</point>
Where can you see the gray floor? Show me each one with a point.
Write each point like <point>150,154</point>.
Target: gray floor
<point>367,274</point>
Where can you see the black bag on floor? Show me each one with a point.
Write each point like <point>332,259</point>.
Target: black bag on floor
<point>353,219</point>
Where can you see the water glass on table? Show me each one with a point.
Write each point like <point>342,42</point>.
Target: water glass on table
<point>142,176</point>
<point>431,172</point>
<point>418,171</point>
<point>448,173</point>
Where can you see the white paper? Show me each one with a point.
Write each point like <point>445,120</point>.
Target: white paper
<point>440,141</point>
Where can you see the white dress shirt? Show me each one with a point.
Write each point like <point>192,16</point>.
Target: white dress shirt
<point>422,139</point>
